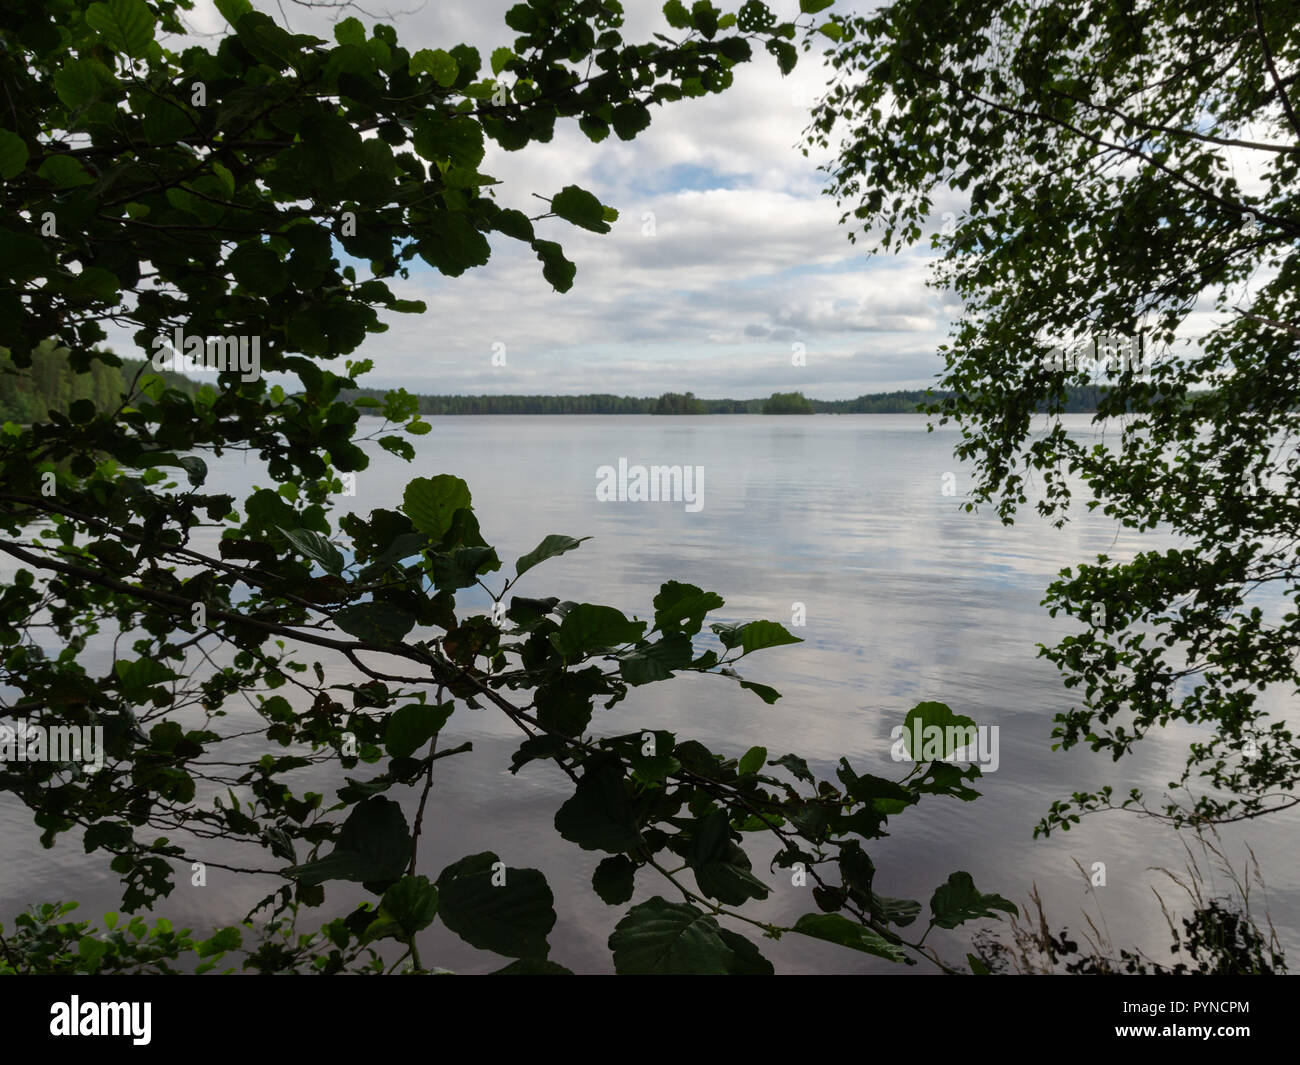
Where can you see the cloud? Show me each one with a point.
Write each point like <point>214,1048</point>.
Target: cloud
<point>725,254</point>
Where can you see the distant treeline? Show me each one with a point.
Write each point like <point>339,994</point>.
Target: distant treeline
<point>1081,400</point>
<point>27,395</point>
<point>668,403</point>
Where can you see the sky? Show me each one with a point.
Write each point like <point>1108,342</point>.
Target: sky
<point>726,254</point>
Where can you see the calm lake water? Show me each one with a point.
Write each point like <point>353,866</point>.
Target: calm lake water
<point>907,598</point>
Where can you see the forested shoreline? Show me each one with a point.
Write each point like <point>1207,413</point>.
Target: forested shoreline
<point>50,383</point>
<point>27,395</point>
<point>1082,400</point>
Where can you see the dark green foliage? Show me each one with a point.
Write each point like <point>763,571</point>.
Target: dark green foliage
<point>1080,399</point>
<point>206,190</point>
<point>678,403</point>
<point>43,942</point>
<point>50,383</point>
<point>1219,941</point>
<point>787,403</point>
<point>1219,938</point>
<point>1107,197</point>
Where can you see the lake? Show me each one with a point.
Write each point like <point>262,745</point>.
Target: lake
<point>907,598</point>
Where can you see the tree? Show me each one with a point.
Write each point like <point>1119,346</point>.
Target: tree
<point>209,192</point>
<point>677,403</point>
<point>787,403</point>
<point>1101,149</point>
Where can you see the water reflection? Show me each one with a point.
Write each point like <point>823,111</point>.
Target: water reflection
<point>906,597</point>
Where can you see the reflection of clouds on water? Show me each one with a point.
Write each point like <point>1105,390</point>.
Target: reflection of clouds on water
<point>907,599</point>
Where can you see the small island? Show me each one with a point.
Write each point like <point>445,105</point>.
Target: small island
<point>787,403</point>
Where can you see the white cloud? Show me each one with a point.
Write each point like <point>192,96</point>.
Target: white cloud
<point>747,256</point>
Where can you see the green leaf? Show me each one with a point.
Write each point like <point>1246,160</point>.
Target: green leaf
<point>752,761</point>
<point>137,677</point>
<point>462,567</point>
<point>514,224</point>
<point>747,960</point>
<point>523,19</point>
<point>500,57</point>
<point>350,31</point>
<point>615,879</point>
<point>555,544</point>
<point>13,154</point>
<point>682,607</point>
<point>315,546</point>
<point>411,903</point>
<point>82,411</point>
<point>226,178</point>
<point>599,816</point>
<point>958,901</point>
<point>195,468</point>
<point>768,695</point>
<point>258,268</point>
<point>705,16</point>
<point>868,788</point>
<point>955,731</point>
<point>457,140</point>
<point>79,81</point>
<point>454,244</point>
<point>677,15</point>
<point>629,119</point>
<point>721,867</point>
<point>564,702</point>
<point>374,846</point>
<point>656,661</point>
<point>23,255</point>
<point>232,10</point>
<point>329,148</point>
<point>431,502</point>
<point>835,928</point>
<point>588,627</point>
<point>402,546</point>
<point>558,270</point>
<point>374,622</point>
<point>656,769</point>
<point>945,778</point>
<point>225,939</point>
<point>795,765</point>
<point>833,30</point>
<point>409,728</point>
<point>92,951</point>
<point>535,748</point>
<point>736,49</point>
<point>669,938</point>
<point>126,26</point>
<point>754,636</point>
<point>595,127</point>
<point>581,208</point>
<point>435,61</point>
<point>507,911</point>
<point>64,172</point>
<point>901,912</point>
<point>811,7</point>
